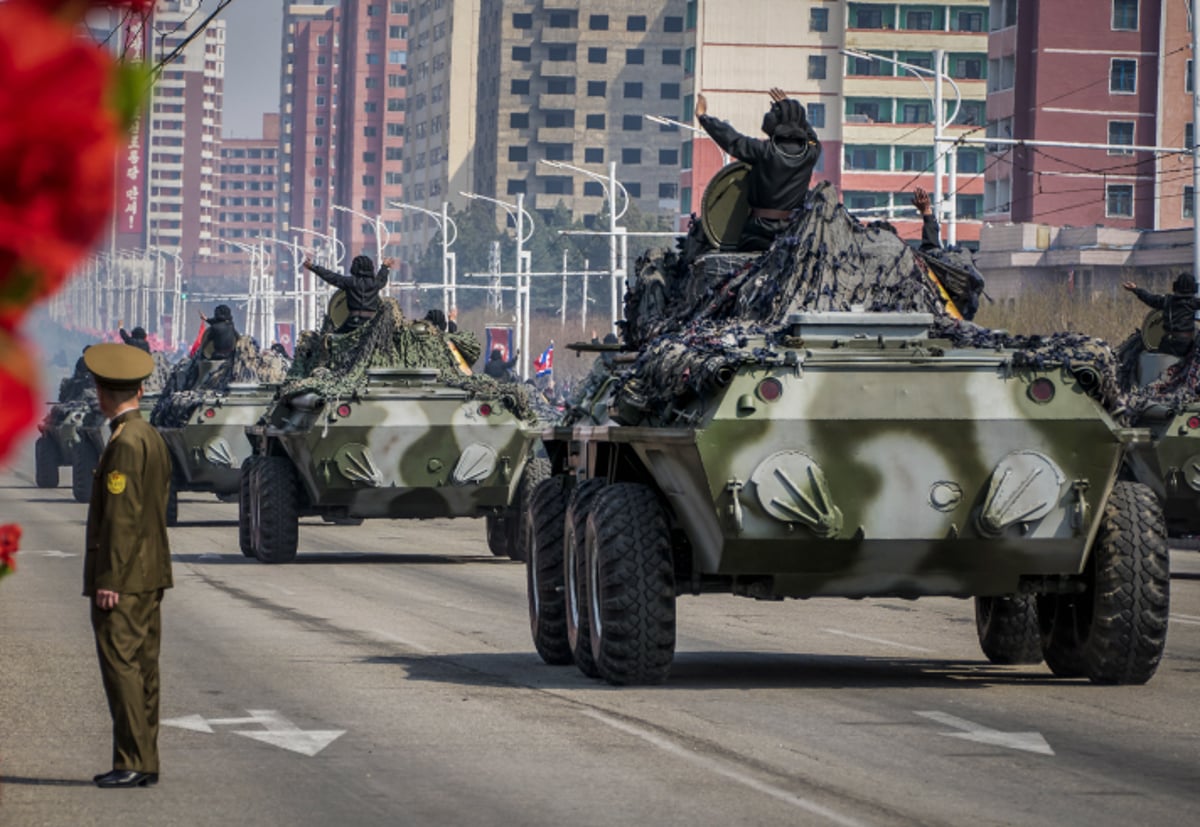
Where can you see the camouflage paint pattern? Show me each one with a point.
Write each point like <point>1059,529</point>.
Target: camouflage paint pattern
<point>1170,465</point>
<point>64,422</point>
<point>882,467</point>
<point>407,446</point>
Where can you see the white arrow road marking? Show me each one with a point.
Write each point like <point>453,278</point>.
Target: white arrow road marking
<point>276,730</point>
<point>878,640</point>
<point>51,552</point>
<point>1028,741</point>
<point>1190,620</point>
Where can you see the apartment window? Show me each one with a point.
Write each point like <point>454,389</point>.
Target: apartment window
<point>520,86</point>
<point>370,83</point>
<point>559,118</point>
<point>1118,200</point>
<point>1189,202</point>
<point>816,67</point>
<point>669,91</point>
<point>1120,132</point>
<point>518,153</point>
<point>631,155</point>
<point>633,90</point>
<point>397,81</point>
<point>395,130</point>
<point>597,54</point>
<point>1187,78</point>
<point>1125,15</point>
<point>915,112</point>
<point>635,23</point>
<point>597,88</point>
<point>631,123</point>
<point>522,54</point>
<point>867,67</point>
<point>515,186</point>
<point>915,159</point>
<point>818,20</point>
<point>395,104</point>
<point>967,21</point>
<point>816,115</point>
<point>318,141</point>
<point>668,157</point>
<point>395,32</point>
<point>635,57</point>
<point>369,157</point>
<point>672,24</point>
<point>919,20</point>
<point>634,189</point>
<point>671,57</point>
<point>866,158</point>
<point>372,59</point>
<point>399,7</point>
<point>866,17</point>
<point>593,188</point>
<point>593,155</point>
<point>394,153</point>
<point>371,10</point>
<point>561,52</point>
<point>370,131</point>
<point>1122,79</point>
<point>970,207</point>
<point>322,60</point>
<point>392,178</point>
<point>1189,135</point>
<point>560,85</point>
<point>969,161</point>
<point>562,20</point>
<point>558,185</point>
<point>322,40</point>
<point>594,122</point>
<point>320,80</point>
<point>522,21</point>
<point>397,57</point>
<point>969,67</point>
<point>518,120</point>
<point>668,191</point>
<point>598,22</point>
<point>370,106</point>
<point>560,152</point>
<point>368,180</point>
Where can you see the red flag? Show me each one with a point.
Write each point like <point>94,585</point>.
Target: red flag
<point>196,344</point>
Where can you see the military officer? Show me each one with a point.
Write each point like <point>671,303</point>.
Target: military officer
<point>128,562</point>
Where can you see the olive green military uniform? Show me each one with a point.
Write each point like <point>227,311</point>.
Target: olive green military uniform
<point>128,553</point>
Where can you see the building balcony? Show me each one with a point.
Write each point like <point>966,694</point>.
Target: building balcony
<point>556,135</point>
<point>549,200</point>
<point>548,101</point>
<point>915,40</point>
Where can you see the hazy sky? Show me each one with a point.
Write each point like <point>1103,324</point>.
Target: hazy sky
<point>252,35</point>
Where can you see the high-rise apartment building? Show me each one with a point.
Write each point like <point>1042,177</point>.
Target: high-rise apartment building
<point>183,133</point>
<point>247,194</point>
<point>1175,199</point>
<point>342,102</point>
<point>569,81</point>
<point>439,163</point>
<point>1084,71</point>
<point>874,115</point>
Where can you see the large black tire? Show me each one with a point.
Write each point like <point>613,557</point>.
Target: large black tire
<point>575,571</point>
<point>45,463</point>
<point>497,534</point>
<point>1116,630</point>
<point>245,485</point>
<point>277,500</point>
<point>520,528</point>
<point>1008,629</point>
<point>631,586</point>
<point>84,459</point>
<point>544,572</point>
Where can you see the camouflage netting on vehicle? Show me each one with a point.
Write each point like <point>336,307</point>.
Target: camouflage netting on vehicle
<point>689,321</point>
<point>192,380</point>
<point>335,366</point>
<point>78,391</point>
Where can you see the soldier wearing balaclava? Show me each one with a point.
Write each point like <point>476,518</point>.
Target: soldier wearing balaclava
<point>362,288</point>
<point>780,166</point>
<point>1179,313</point>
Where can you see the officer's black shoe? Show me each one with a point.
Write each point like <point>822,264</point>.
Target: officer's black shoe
<point>126,778</point>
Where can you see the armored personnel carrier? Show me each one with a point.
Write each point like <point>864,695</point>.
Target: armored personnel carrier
<point>387,422</point>
<point>814,422</point>
<point>203,413</point>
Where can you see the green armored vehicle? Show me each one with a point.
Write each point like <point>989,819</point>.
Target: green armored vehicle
<point>203,413</point>
<point>385,422</point>
<point>763,439</point>
<point>57,445</point>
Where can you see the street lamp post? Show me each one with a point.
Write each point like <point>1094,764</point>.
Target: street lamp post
<point>446,225</point>
<point>307,298</point>
<point>940,122</point>
<point>518,213</point>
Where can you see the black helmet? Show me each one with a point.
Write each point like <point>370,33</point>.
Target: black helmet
<point>222,313</point>
<point>1185,284</point>
<point>138,333</point>
<point>437,318</point>
<point>362,266</point>
<point>496,355</point>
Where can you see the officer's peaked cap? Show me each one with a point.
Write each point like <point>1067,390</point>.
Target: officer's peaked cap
<point>118,367</point>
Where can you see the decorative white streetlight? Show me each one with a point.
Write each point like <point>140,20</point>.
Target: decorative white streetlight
<point>337,253</point>
<point>940,122</point>
<point>446,226</point>
<point>519,215</point>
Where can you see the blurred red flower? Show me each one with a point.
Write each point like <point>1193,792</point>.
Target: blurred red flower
<point>18,390</point>
<point>76,9</point>
<point>58,139</point>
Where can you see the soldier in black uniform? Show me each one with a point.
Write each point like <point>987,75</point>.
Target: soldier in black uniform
<point>1179,313</point>
<point>780,167</point>
<point>362,288</point>
<point>221,334</point>
<point>127,564</point>
<point>136,338</point>
<point>498,367</point>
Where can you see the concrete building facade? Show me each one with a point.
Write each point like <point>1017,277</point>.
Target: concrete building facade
<point>248,176</point>
<point>564,80</point>
<point>1175,199</point>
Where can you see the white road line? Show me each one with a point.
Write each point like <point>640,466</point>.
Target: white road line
<point>1190,620</point>
<point>720,768</point>
<point>424,650</point>
<point>878,640</point>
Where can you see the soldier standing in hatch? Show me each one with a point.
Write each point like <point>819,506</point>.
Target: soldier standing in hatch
<point>127,564</point>
<point>780,167</point>
<point>362,288</point>
<point>221,333</point>
<point>137,338</point>
<point>1179,313</point>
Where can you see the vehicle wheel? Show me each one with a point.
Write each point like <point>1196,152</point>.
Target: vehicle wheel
<point>575,572</point>
<point>245,484</point>
<point>1008,629</point>
<point>1115,631</point>
<point>45,463</point>
<point>84,459</point>
<point>631,586</point>
<point>278,510</point>
<point>517,518</point>
<point>544,572</point>
<point>172,506</point>
<point>497,534</point>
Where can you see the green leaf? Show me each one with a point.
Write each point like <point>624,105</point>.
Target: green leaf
<point>130,90</point>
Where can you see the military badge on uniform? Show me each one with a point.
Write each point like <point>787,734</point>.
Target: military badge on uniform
<point>116,482</point>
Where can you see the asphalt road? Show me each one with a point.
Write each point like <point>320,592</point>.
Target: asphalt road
<point>388,677</point>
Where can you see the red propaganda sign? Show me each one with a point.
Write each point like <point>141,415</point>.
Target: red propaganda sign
<point>131,193</point>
